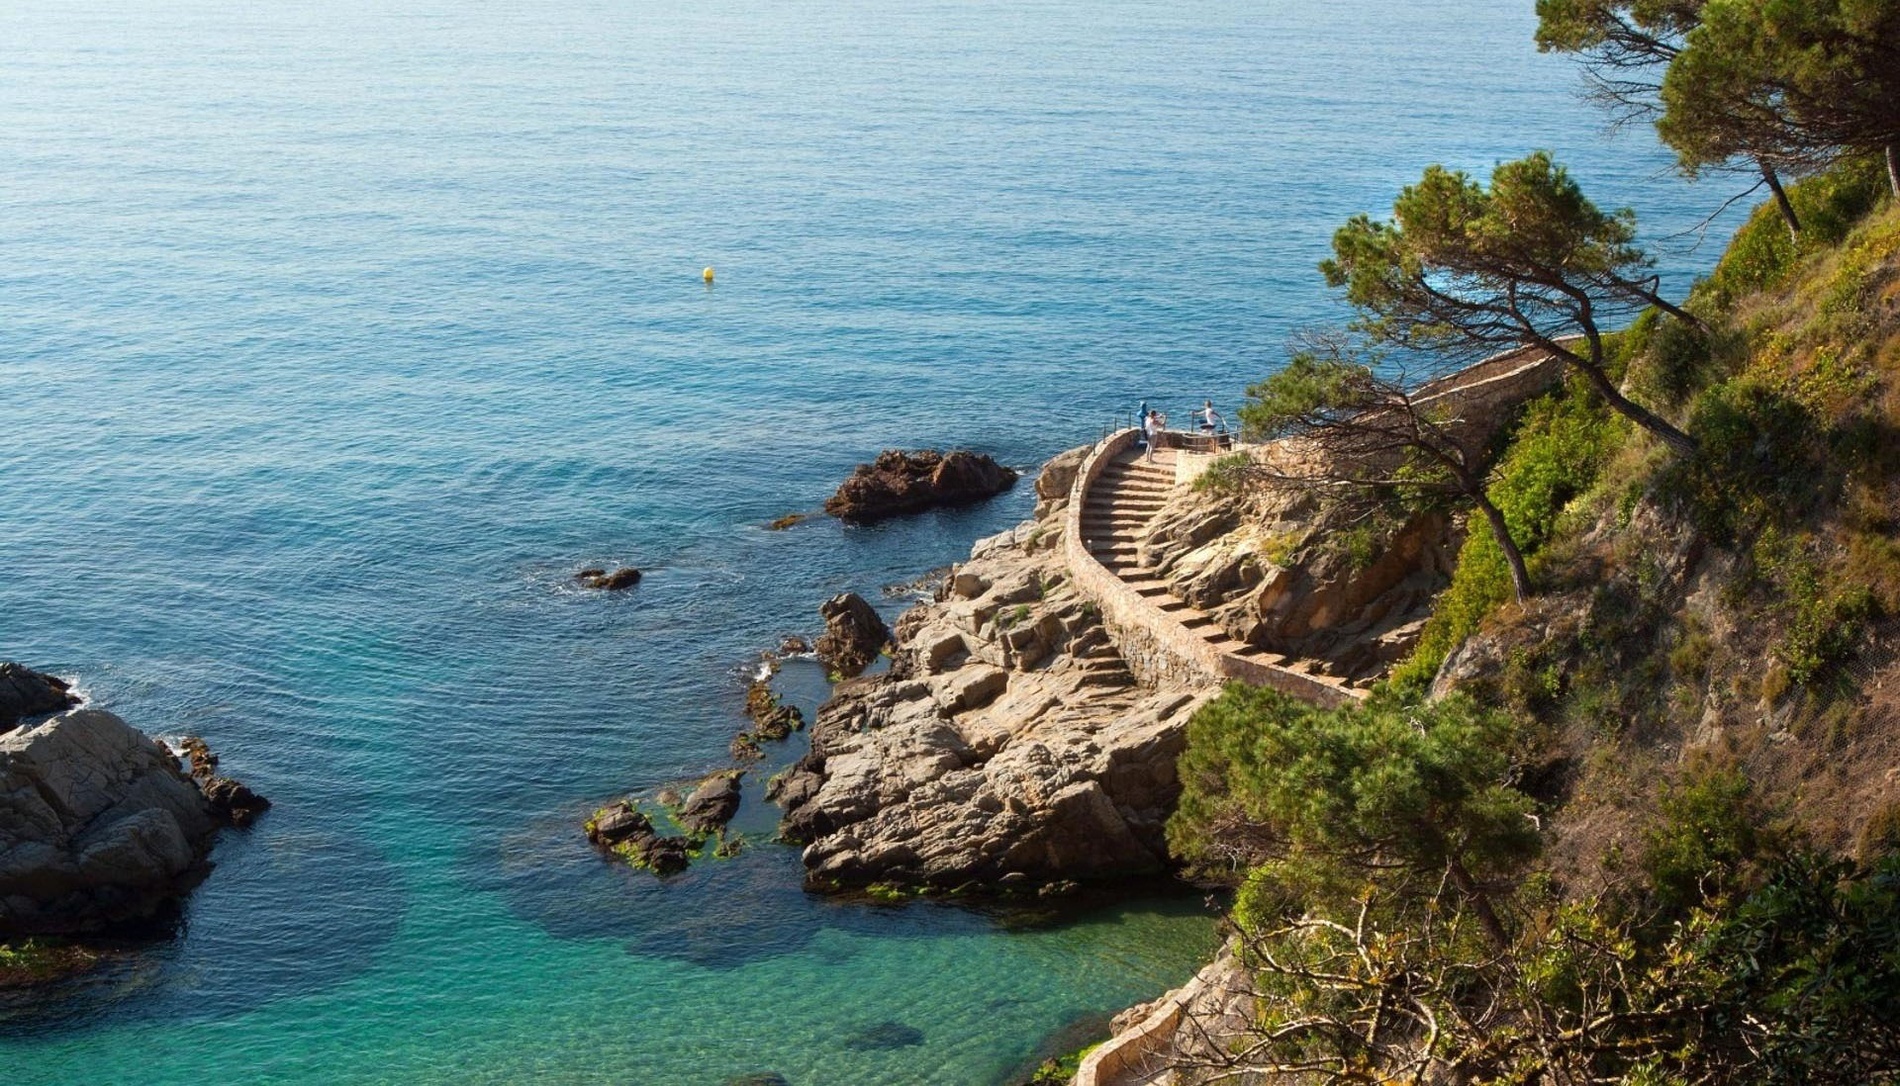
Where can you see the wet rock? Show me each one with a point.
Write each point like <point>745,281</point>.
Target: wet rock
<point>793,645</point>
<point>230,800</point>
<point>772,719</point>
<point>620,822</point>
<point>883,1036</point>
<point>98,826</point>
<point>664,855</point>
<point>608,580</point>
<point>899,482</point>
<point>786,521</point>
<point>854,634</point>
<point>233,801</point>
<point>627,832</point>
<point>712,804</point>
<point>25,692</point>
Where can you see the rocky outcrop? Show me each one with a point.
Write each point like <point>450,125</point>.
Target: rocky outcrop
<point>25,692</point>
<point>230,800</point>
<point>99,826</point>
<point>899,482</point>
<point>1322,582</point>
<point>854,635</point>
<point>615,580</point>
<point>1055,479</point>
<point>1007,748</point>
<point>626,831</point>
<point>711,805</point>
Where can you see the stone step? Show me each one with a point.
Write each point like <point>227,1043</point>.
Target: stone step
<point>1119,502</point>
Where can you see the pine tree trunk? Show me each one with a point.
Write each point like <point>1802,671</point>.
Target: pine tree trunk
<point>1893,171</point>
<point>1520,576</point>
<point>1781,198</point>
<point>1480,904</point>
<point>1682,444</point>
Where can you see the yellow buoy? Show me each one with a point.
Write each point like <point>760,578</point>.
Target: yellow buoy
<point>706,275</point>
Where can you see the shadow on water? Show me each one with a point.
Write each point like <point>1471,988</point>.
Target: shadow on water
<point>284,914</point>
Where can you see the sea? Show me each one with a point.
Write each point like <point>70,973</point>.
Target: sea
<point>335,337</point>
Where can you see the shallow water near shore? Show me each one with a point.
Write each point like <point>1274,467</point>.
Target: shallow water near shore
<point>334,338</point>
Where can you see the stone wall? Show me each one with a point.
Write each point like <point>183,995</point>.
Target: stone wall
<point>1158,649</point>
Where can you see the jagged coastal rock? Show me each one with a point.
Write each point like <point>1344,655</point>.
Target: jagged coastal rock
<point>606,580</point>
<point>899,482</point>
<point>854,635</point>
<point>25,692</point>
<point>99,825</point>
<point>1007,748</point>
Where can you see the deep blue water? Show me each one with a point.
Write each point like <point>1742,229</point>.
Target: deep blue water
<point>334,337</point>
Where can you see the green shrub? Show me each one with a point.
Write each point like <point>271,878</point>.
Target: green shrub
<point>1386,789</point>
<point>1710,827</point>
<point>1554,455</point>
<point>1761,255</point>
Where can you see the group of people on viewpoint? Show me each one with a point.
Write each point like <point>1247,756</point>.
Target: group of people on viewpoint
<point>1153,422</point>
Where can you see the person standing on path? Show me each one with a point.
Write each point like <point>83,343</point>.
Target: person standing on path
<point>1151,428</point>
<point>1210,423</point>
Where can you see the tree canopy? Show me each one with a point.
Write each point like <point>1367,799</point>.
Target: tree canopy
<point>1372,433</point>
<point>1469,271</point>
<point>1794,80</point>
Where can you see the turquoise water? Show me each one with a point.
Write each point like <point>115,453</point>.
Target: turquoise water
<point>334,337</point>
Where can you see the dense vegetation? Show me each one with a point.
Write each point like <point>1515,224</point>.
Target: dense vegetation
<point>1624,816</point>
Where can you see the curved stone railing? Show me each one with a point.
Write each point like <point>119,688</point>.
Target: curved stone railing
<point>1156,647</point>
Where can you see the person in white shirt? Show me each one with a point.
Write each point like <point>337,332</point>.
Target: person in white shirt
<point>1210,422</point>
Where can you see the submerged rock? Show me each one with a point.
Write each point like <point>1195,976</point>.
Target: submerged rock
<point>854,635</point>
<point>899,482</point>
<point>99,826</point>
<point>764,1078</point>
<point>25,692</point>
<point>884,1035</point>
<point>608,580</point>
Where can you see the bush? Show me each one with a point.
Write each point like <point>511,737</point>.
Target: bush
<point>1336,796</point>
<point>1761,255</point>
<point>1554,455</point>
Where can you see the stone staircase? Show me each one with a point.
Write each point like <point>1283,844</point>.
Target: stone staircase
<point>1126,496</point>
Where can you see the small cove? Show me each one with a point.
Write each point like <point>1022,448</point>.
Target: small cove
<point>334,343</point>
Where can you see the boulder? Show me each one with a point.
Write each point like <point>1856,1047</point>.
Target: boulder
<point>1056,479</point>
<point>712,804</point>
<point>626,831</point>
<point>25,692</point>
<point>99,826</point>
<point>233,801</point>
<point>608,580</point>
<point>898,482</point>
<point>617,823</point>
<point>854,634</point>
